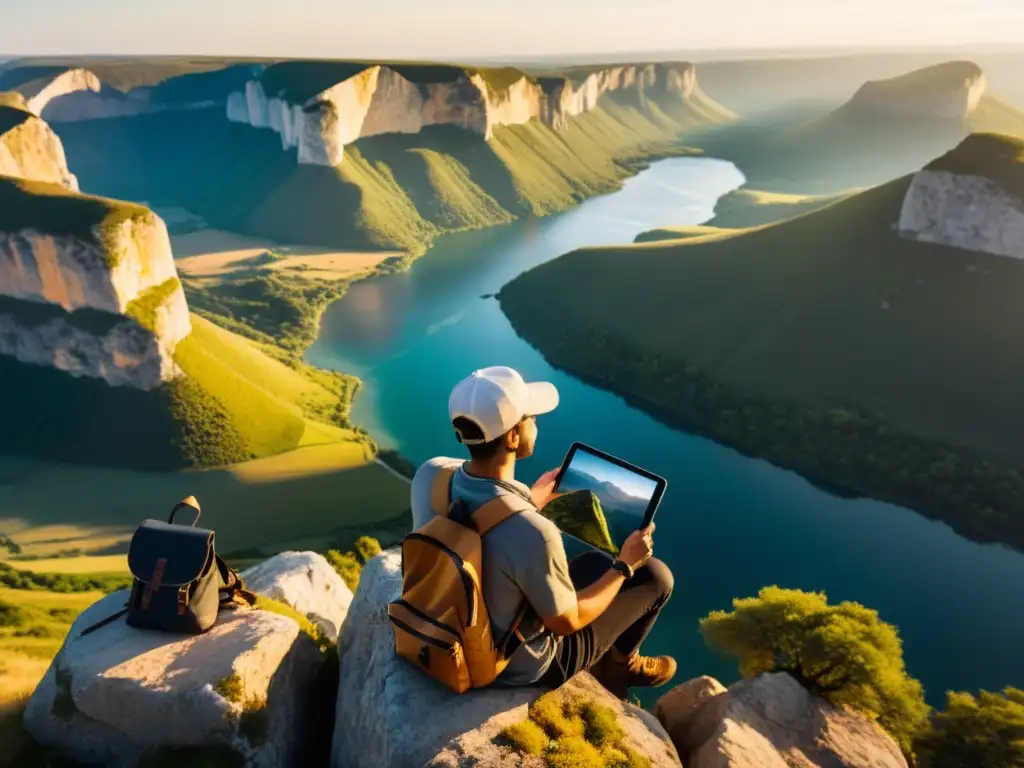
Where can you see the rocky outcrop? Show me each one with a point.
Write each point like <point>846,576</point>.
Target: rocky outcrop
<point>963,211</point>
<point>29,149</point>
<point>114,348</point>
<point>39,93</point>
<point>246,687</point>
<point>770,721</point>
<point>104,302</point>
<point>104,269</point>
<point>380,100</point>
<point>383,714</point>
<point>306,582</point>
<point>952,91</point>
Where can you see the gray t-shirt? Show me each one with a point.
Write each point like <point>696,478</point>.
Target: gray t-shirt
<point>522,556</point>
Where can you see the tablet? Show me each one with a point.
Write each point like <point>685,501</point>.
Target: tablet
<point>601,499</point>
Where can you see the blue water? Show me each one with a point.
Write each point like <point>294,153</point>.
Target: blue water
<point>728,525</point>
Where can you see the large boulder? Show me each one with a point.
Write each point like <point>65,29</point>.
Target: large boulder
<point>306,582</point>
<point>391,714</point>
<point>245,688</point>
<point>770,721</point>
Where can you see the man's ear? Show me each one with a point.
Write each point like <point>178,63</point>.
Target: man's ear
<point>512,439</point>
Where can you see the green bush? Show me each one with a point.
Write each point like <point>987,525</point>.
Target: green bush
<point>570,731</point>
<point>63,582</point>
<point>986,731</point>
<point>844,653</point>
<point>11,615</point>
<point>350,564</point>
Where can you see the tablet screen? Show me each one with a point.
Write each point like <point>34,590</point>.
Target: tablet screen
<point>600,501</point>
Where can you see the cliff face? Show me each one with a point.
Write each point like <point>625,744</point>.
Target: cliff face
<point>951,91</point>
<point>108,306</point>
<point>39,93</point>
<point>29,149</point>
<point>74,273</point>
<point>964,211</point>
<point>380,100</point>
<point>971,198</point>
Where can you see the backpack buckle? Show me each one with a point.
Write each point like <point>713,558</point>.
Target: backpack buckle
<point>182,600</point>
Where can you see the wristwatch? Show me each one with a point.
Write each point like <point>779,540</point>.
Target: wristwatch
<point>623,567</point>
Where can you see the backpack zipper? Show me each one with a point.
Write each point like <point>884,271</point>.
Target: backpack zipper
<point>429,619</point>
<point>415,633</point>
<point>460,564</point>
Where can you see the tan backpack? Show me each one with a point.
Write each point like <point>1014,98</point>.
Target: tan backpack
<point>441,623</point>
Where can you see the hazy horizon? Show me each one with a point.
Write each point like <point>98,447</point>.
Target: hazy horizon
<point>450,29</point>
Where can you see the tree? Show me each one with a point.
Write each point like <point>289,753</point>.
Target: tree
<point>982,732</point>
<point>844,653</point>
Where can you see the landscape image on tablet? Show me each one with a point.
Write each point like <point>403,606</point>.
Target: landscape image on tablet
<point>600,502</point>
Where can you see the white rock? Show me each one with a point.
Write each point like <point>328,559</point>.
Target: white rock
<point>378,100</point>
<point>125,354</point>
<point>970,212</point>
<point>120,692</point>
<point>33,151</point>
<point>40,93</point>
<point>771,721</point>
<point>76,274</point>
<point>390,714</point>
<point>306,582</point>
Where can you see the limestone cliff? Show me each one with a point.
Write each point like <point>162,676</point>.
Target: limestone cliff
<point>972,198</point>
<point>380,99</point>
<point>29,149</point>
<point>88,286</point>
<point>951,90</point>
<point>40,92</point>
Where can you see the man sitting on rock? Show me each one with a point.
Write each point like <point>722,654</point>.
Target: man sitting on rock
<point>590,614</point>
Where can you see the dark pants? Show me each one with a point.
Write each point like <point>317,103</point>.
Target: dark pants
<point>624,624</point>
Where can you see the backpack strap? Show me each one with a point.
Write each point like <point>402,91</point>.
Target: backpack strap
<point>498,510</point>
<point>441,491</point>
<point>232,589</point>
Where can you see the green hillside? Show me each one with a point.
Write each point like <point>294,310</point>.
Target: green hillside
<point>394,190</point>
<point>235,403</point>
<point>825,343</point>
<point>676,233</point>
<point>579,514</point>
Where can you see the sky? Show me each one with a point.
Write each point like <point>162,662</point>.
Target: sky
<point>631,483</point>
<point>452,29</point>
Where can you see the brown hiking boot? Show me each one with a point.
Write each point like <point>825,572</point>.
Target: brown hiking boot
<point>649,671</point>
<point>637,671</point>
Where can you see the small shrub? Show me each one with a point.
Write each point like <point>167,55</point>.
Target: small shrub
<point>231,688</point>
<point>574,752</point>
<point>527,737</point>
<point>554,712</point>
<point>11,615</point>
<point>600,724</point>
<point>570,731</point>
<point>366,549</point>
<point>986,731</point>
<point>348,567</point>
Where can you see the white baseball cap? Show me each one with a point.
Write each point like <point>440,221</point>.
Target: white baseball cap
<point>497,398</point>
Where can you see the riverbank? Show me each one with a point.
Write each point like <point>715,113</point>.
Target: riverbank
<point>819,359</point>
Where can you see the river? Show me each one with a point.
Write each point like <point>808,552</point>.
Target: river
<point>728,525</point>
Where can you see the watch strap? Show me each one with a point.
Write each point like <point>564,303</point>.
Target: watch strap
<point>623,567</point>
